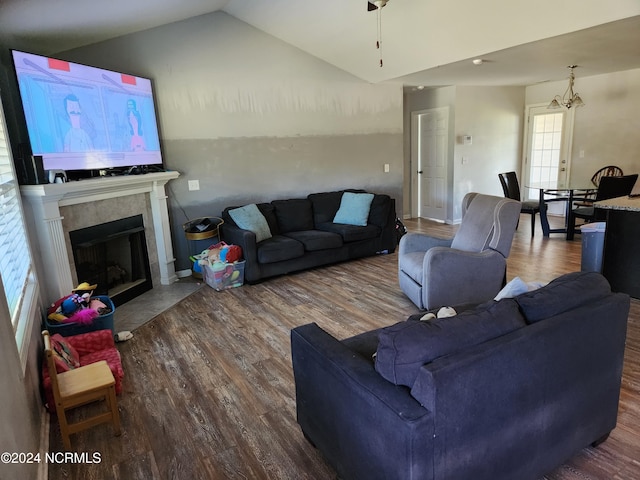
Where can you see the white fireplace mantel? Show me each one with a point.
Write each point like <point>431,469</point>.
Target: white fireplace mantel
<point>42,205</point>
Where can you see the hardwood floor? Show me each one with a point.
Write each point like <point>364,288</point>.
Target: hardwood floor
<point>208,388</point>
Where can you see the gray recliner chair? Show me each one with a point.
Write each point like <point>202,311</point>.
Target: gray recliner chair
<point>470,267</point>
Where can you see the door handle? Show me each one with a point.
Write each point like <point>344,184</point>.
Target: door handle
<point>420,171</point>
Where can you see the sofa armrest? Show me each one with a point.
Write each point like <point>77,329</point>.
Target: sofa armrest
<point>89,342</point>
<point>454,276</point>
<point>418,242</point>
<point>246,240</point>
<point>365,426</point>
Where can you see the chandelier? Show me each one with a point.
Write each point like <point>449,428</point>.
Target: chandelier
<point>569,99</point>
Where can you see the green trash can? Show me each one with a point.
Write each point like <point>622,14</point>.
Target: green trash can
<point>592,246</point>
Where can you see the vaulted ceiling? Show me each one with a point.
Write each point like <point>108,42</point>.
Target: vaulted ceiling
<point>424,42</point>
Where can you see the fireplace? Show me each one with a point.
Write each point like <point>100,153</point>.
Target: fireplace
<point>54,210</point>
<point>114,256</point>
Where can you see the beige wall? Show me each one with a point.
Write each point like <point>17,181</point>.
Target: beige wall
<point>254,119</point>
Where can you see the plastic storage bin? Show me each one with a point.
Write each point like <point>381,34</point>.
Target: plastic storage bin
<point>222,276</point>
<point>592,246</point>
<point>101,322</point>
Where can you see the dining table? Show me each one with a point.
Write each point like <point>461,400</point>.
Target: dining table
<point>549,192</point>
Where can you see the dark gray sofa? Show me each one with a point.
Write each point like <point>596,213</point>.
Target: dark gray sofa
<point>304,235</point>
<point>505,390</point>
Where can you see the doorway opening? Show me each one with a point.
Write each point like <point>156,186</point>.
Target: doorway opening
<point>429,162</point>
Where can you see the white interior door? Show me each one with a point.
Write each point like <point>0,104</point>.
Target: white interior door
<point>429,139</point>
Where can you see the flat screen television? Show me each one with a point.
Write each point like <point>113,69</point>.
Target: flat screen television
<point>81,118</point>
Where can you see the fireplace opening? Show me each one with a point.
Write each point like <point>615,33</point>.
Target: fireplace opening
<point>114,256</point>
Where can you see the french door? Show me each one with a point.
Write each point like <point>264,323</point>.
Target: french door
<point>547,149</point>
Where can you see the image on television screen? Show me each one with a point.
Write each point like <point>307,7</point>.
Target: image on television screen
<point>86,118</point>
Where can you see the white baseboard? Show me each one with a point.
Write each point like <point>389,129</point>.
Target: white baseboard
<point>183,273</point>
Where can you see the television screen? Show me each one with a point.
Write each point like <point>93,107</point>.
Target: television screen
<point>86,118</point>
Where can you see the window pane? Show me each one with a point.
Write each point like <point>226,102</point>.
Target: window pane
<point>545,150</point>
<point>15,260</point>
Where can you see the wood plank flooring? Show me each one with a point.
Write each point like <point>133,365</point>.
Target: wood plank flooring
<point>209,394</point>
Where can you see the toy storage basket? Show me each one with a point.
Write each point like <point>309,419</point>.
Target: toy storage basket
<point>101,322</point>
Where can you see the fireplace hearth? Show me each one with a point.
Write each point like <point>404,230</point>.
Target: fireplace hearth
<point>114,256</point>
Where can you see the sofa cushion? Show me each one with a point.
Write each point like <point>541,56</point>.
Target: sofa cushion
<point>364,344</point>
<point>354,209</point>
<point>562,294</point>
<point>279,248</point>
<point>350,233</point>
<point>326,204</point>
<point>404,347</point>
<point>316,239</point>
<point>293,215</point>
<point>379,212</point>
<point>265,208</point>
<point>110,355</point>
<point>251,218</point>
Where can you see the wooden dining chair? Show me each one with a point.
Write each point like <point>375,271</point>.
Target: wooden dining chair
<point>81,386</point>
<point>511,189</point>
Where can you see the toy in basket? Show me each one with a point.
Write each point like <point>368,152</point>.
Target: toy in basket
<point>80,312</point>
<point>222,266</point>
<point>222,275</point>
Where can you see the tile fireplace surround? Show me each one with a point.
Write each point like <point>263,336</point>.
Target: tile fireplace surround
<point>55,209</point>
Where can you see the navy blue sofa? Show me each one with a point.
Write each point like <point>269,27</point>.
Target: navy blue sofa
<point>304,235</point>
<point>504,390</point>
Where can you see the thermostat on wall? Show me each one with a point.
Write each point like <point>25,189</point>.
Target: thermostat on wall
<point>467,139</point>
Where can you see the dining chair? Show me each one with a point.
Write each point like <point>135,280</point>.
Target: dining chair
<point>608,171</point>
<point>608,187</point>
<point>511,189</point>
<point>81,386</point>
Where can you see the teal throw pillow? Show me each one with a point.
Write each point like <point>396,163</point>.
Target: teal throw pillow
<point>251,218</point>
<point>354,209</point>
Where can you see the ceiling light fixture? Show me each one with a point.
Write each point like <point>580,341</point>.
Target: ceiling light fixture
<point>377,6</point>
<point>569,99</point>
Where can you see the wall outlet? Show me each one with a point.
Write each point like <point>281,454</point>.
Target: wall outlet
<point>386,168</point>
<point>194,185</point>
